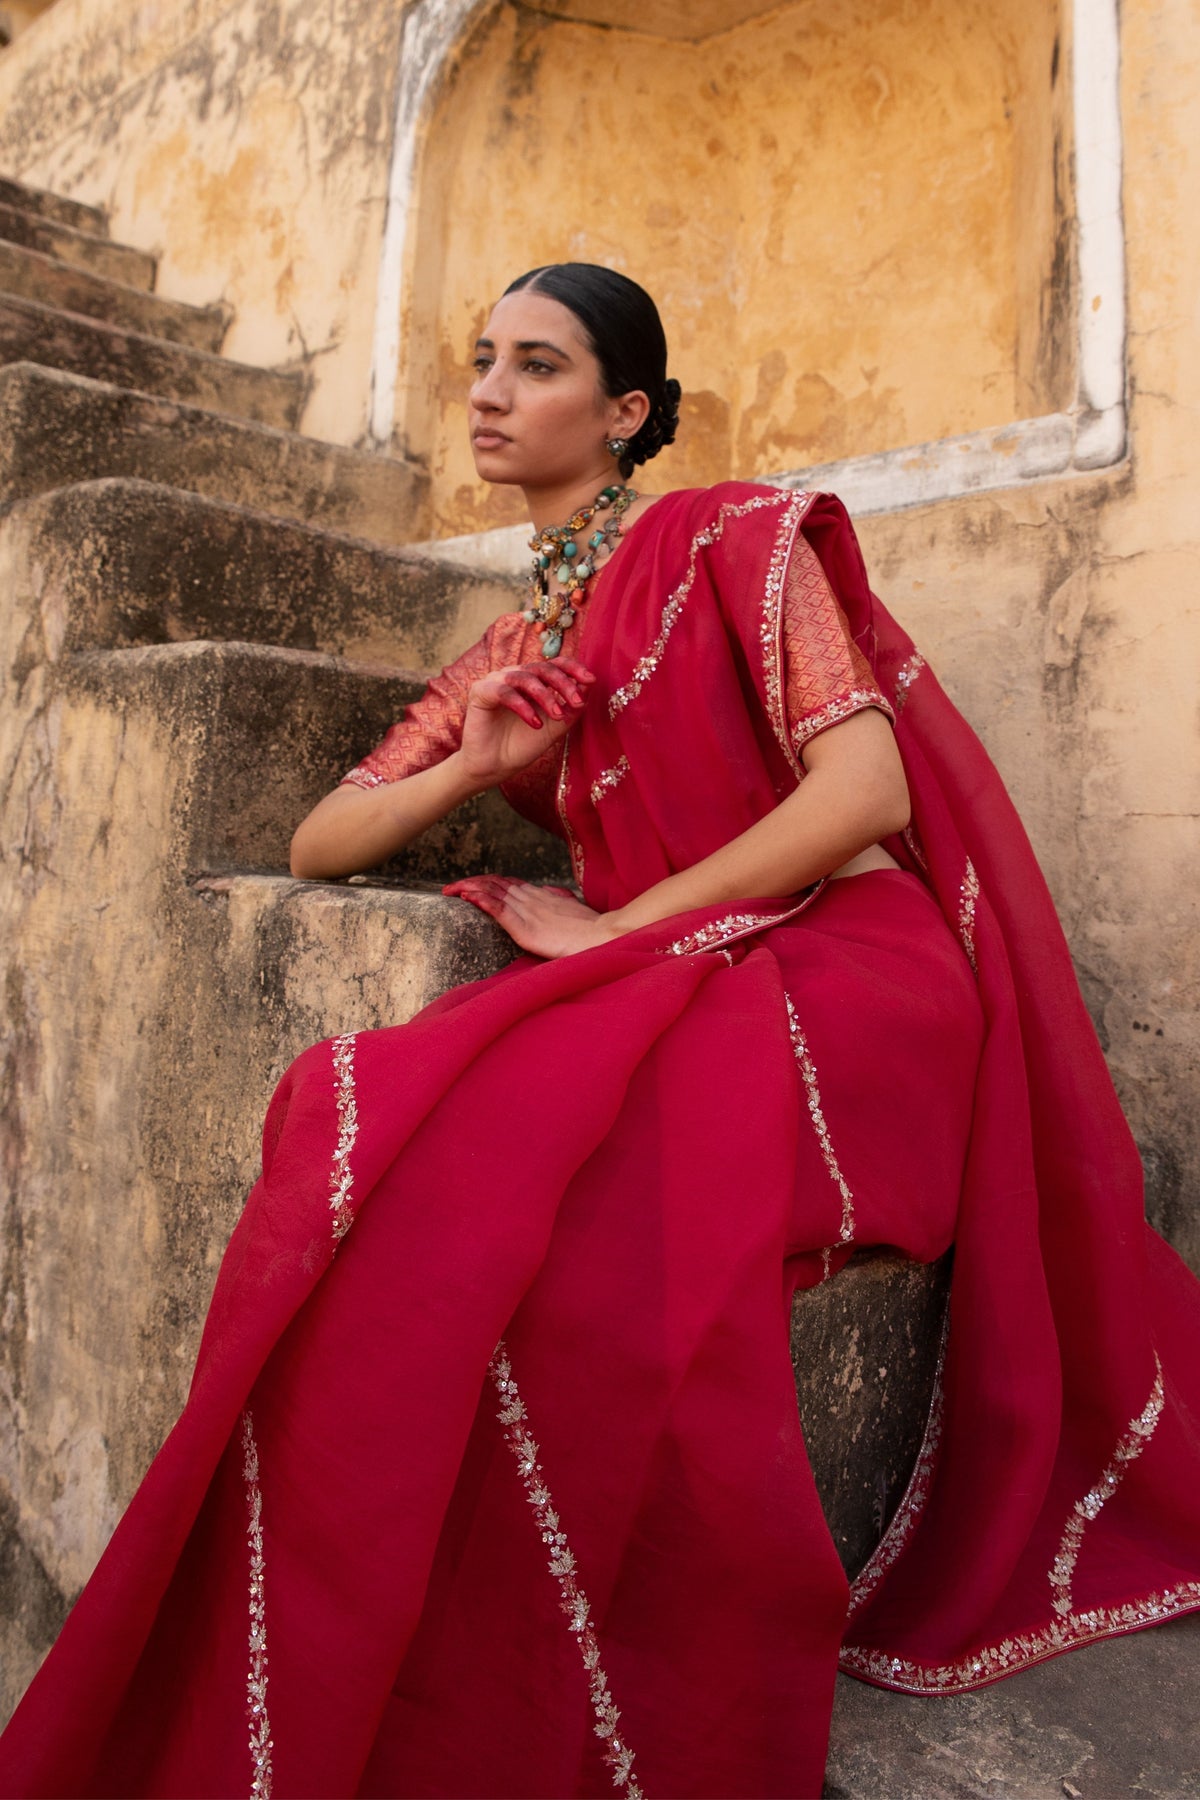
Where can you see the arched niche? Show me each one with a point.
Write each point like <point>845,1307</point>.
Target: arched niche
<point>852,214</point>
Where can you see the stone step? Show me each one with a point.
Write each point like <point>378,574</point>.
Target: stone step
<point>53,207</point>
<point>258,735</point>
<point>118,563</point>
<point>81,249</point>
<point>57,428</point>
<point>34,276</point>
<point>32,332</point>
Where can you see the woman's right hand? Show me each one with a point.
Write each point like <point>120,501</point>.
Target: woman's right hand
<point>514,715</point>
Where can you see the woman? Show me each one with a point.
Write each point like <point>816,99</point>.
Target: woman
<point>491,1479</point>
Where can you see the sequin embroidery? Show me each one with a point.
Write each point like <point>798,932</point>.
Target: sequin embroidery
<point>261,1743</point>
<point>341,1176</point>
<point>968,900</point>
<point>722,931</point>
<point>1023,1648</point>
<point>916,1494</point>
<point>855,700</point>
<point>608,779</point>
<point>904,680</point>
<point>574,847</point>
<point>771,627</point>
<point>561,1562</point>
<point>808,1073</point>
<point>647,665</point>
<point>1129,1447</point>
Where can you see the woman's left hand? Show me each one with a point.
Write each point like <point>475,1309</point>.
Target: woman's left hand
<point>546,921</point>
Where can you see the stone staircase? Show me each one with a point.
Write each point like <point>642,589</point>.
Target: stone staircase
<point>206,617</point>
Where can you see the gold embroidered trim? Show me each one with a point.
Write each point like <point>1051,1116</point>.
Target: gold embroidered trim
<point>341,1176</point>
<point>904,680</point>
<point>561,1561</point>
<point>574,847</point>
<point>915,1496</point>
<point>363,778</point>
<point>968,900</point>
<point>722,931</point>
<point>261,1743</point>
<point>771,628</point>
<point>647,664</point>
<point>608,779</point>
<point>1129,1447</point>
<point>845,705</point>
<point>808,1072</point>
<point>1023,1648</point>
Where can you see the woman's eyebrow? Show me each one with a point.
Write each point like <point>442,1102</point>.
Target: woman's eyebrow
<point>525,344</point>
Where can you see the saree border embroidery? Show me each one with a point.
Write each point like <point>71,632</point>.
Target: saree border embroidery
<point>1023,1648</point>
<point>842,706</point>
<point>561,1562</point>
<point>719,932</point>
<point>608,779</point>
<point>968,900</point>
<point>1130,1445</point>
<point>904,680</point>
<point>261,1743</point>
<point>646,665</point>
<point>771,627</point>
<point>341,1176</point>
<point>574,847</point>
<point>808,1074</point>
<point>914,1498</point>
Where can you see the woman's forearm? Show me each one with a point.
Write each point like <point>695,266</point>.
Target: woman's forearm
<point>854,794</point>
<point>356,828</point>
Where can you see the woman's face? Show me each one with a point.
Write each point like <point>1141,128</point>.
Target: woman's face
<point>539,414</point>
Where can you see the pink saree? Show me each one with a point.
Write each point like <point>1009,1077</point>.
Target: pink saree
<point>491,1479</point>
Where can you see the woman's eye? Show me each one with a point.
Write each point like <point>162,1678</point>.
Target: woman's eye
<point>481,365</point>
<point>540,368</point>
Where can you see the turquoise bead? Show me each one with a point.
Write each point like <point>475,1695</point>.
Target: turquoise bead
<point>563,574</point>
<point>570,549</point>
<point>583,570</point>
<point>595,541</point>
<point>552,643</point>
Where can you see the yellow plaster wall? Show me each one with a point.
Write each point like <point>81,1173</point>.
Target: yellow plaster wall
<point>246,144</point>
<point>845,211</point>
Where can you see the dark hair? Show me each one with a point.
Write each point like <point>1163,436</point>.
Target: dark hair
<point>625,334</point>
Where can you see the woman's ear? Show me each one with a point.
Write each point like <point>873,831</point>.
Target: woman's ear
<point>629,414</point>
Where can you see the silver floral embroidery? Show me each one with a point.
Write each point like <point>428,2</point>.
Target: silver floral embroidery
<point>1129,1447</point>
<point>1023,1648</point>
<point>341,1176</point>
<point>968,900</point>
<point>916,1494</point>
<point>826,1262</point>
<point>647,664</point>
<point>808,1073</point>
<point>561,1561</point>
<point>771,627</point>
<point>843,706</point>
<point>261,1743</point>
<point>904,680</point>
<point>608,779</point>
<point>574,847</point>
<point>719,932</point>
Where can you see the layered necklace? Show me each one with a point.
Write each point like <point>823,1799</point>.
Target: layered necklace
<point>557,553</point>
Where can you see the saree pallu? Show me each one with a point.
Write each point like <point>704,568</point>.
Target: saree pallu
<point>491,1479</point>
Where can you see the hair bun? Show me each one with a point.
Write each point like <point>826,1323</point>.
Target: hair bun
<point>662,422</point>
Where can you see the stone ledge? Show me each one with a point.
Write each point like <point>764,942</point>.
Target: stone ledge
<point>82,249</point>
<point>117,563</point>
<point>33,332</point>
<point>54,207</point>
<point>35,276</point>
<point>57,429</point>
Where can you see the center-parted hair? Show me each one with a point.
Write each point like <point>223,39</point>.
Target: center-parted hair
<point>625,334</point>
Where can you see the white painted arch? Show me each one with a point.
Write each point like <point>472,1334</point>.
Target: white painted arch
<point>1091,435</point>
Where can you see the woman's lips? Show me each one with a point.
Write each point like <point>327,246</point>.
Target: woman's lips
<point>489,440</point>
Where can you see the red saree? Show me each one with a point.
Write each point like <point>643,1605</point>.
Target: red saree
<point>491,1479</point>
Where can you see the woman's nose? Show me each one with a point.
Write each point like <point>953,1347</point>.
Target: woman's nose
<point>489,391</point>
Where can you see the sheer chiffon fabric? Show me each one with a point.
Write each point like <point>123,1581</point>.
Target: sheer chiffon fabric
<point>491,1479</point>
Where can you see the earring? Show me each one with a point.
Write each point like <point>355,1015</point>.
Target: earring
<point>618,447</point>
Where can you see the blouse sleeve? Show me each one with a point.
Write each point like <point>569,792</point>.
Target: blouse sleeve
<point>826,676</point>
<point>431,727</point>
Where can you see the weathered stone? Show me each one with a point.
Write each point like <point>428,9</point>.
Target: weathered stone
<point>119,563</point>
<point>35,276</point>
<point>83,249</point>
<point>31,332</point>
<point>865,1350</point>
<point>57,428</point>
<point>54,207</point>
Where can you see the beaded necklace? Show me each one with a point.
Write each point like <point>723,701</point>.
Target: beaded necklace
<point>555,613</point>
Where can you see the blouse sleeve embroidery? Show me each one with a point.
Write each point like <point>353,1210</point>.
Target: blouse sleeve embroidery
<point>826,676</point>
<point>431,728</point>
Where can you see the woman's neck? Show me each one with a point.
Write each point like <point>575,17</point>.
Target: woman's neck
<point>554,505</point>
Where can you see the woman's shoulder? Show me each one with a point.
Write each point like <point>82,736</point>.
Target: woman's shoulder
<point>726,499</point>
